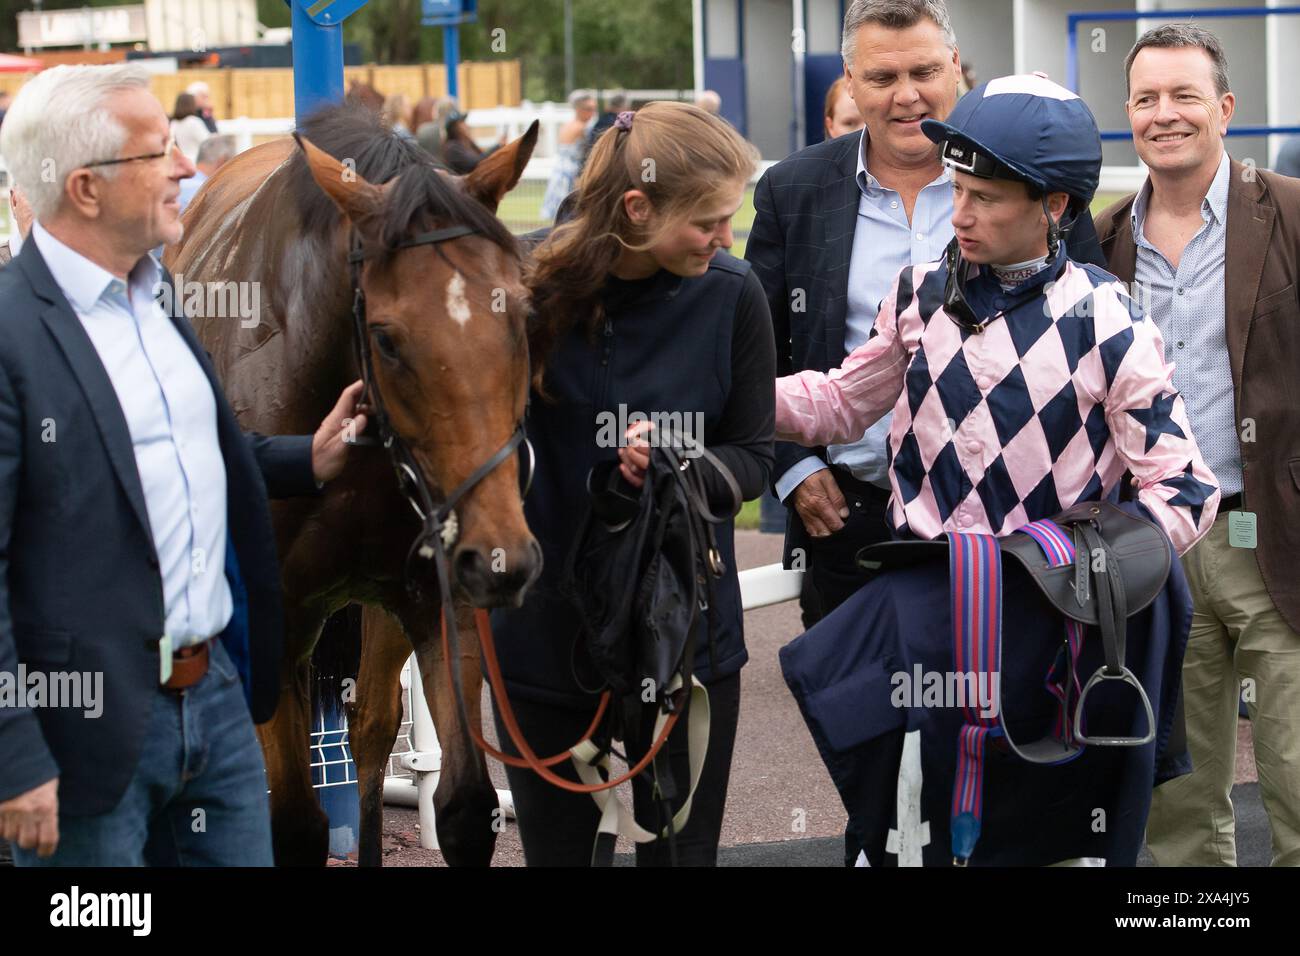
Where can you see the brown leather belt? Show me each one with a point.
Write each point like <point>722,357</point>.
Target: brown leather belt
<point>189,664</point>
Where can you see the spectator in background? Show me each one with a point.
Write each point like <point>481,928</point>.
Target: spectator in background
<point>969,79</point>
<point>397,114</point>
<point>429,122</point>
<point>22,213</point>
<point>213,154</point>
<point>203,99</point>
<point>188,127</point>
<point>568,156</point>
<point>1288,157</point>
<point>842,115</point>
<point>616,103</point>
<point>460,153</point>
<point>709,101</point>
<point>5,99</point>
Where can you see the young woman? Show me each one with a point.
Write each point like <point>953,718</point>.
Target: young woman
<point>638,309</point>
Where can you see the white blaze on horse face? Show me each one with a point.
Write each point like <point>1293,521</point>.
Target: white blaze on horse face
<point>457,304</point>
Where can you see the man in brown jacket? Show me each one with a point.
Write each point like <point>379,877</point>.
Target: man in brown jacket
<point>1210,246</point>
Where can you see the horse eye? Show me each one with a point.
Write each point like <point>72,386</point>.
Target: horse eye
<point>385,345</point>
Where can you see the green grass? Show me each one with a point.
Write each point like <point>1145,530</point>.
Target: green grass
<point>748,517</point>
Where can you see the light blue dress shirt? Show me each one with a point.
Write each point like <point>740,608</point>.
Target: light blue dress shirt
<point>884,243</point>
<point>1189,308</point>
<point>171,413</point>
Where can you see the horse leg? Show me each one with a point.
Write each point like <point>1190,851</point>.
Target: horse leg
<point>299,827</point>
<point>465,802</point>
<point>373,721</point>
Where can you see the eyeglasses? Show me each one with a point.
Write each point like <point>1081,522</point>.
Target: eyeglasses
<point>166,151</point>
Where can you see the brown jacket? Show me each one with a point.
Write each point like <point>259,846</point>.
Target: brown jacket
<point>1262,314</point>
<point>5,254</point>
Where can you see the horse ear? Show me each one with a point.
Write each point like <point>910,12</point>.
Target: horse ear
<point>356,197</point>
<point>499,173</point>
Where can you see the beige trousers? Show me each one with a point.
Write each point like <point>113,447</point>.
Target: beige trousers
<point>1238,643</point>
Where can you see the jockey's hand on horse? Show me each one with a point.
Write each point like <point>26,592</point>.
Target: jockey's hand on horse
<point>329,446</point>
<point>634,456</point>
<point>31,820</point>
<point>820,504</point>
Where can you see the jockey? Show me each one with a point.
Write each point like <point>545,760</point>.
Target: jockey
<point>1021,382</point>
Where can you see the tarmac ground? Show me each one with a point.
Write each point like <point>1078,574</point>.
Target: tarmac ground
<point>782,809</point>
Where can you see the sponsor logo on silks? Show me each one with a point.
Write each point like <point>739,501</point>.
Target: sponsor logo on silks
<point>75,909</point>
<point>682,430</point>
<point>76,690</point>
<point>976,690</point>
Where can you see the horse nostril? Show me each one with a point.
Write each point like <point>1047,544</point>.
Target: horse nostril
<point>472,568</point>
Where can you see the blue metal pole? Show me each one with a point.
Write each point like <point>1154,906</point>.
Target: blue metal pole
<point>317,64</point>
<point>451,56</point>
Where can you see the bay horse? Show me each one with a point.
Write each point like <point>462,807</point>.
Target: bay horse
<point>445,323</point>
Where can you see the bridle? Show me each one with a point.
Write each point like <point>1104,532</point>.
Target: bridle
<point>439,526</point>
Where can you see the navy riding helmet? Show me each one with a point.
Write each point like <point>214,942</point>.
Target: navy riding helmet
<point>1023,127</point>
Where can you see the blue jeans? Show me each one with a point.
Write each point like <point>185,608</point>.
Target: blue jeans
<point>198,795</point>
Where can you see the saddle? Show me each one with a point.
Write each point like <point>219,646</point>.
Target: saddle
<point>1097,565</point>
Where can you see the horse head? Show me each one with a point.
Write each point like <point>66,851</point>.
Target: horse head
<point>445,314</point>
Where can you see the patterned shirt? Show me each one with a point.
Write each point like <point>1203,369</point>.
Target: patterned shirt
<point>1046,407</point>
<point>1188,307</point>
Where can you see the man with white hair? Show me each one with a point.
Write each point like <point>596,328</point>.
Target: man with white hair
<point>203,99</point>
<point>136,549</point>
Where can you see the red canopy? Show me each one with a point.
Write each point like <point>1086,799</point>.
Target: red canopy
<point>19,64</point>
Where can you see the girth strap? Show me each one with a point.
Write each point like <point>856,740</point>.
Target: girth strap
<point>975,574</point>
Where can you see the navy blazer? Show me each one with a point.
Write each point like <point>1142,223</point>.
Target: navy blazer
<point>802,239</point>
<point>80,587</point>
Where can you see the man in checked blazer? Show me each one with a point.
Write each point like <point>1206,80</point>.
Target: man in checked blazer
<point>1212,247</point>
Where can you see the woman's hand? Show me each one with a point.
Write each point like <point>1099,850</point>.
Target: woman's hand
<point>634,456</point>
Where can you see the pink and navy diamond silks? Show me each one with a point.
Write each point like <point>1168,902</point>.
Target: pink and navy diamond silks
<point>1045,408</point>
<point>975,574</point>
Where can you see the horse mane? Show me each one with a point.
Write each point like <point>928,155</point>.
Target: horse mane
<point>423,196</point>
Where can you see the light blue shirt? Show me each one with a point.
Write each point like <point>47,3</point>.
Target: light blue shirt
<point>884,243</point>
<point>190,187</point>
<point>171,413</point>
<point>1188,306</point>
